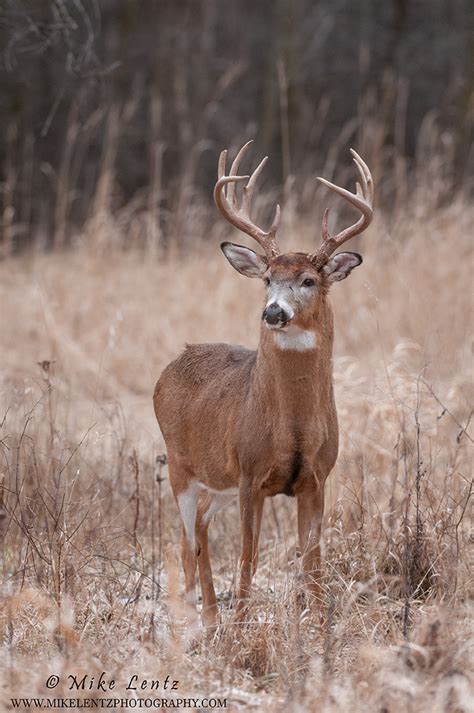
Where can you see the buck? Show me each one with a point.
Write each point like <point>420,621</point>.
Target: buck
<point>254,424</point>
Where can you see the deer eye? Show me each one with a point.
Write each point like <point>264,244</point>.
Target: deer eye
<point>308,282</point>
<point>266,281</point>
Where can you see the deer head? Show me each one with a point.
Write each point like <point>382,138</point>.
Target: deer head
<point>295,282</point>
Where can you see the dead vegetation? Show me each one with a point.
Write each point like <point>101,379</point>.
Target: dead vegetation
<point>90,532</point>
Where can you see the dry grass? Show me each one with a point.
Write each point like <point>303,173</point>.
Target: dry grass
<point>90,531</point>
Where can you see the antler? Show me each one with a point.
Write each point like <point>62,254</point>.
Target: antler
<point>362,200</point>
<point>226,200</point>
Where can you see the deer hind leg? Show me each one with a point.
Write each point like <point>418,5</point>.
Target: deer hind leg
<point>310,515</point>
<point>189,561</point>
<point>208,507</point>
<point>210,612</point>
<point>187,499</point>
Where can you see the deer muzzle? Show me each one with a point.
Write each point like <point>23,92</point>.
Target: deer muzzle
<point>275,315</point>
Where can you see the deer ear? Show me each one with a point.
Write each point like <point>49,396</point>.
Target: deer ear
<point>244,260</point>
<point>339,266</point>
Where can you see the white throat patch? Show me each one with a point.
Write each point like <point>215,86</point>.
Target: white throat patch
<point>295,339</point>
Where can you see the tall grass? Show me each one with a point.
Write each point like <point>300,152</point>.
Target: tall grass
<point>90,566</point>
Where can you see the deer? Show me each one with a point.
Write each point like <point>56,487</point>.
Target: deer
<point>251,424</point>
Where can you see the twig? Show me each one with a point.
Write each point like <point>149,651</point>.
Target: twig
<point>446,410</point>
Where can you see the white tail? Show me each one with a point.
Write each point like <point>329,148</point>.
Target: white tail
<point>259,423</point>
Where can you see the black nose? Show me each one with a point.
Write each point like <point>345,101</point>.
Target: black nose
<point>274,314</point>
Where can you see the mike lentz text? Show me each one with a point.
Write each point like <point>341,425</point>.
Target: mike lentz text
<point>104,684</point>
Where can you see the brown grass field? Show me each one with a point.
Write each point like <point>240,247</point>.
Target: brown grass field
<point>90,561</point>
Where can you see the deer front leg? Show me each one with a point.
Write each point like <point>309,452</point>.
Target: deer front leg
<point>256,535</point>
<point>250,518</point>
<point>310,515</point>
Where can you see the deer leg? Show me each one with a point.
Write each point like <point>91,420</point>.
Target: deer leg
<point>256,536</point>
<point>208,507</point>
<point>248,540</point>
<point>210,612</point>
<point>187,500</point>
<point>189,562</point>
<point>310,515</point>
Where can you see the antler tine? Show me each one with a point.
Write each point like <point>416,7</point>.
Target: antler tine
<point>324,228</point>
<point>362,199</point>
<point>360,161</point>
<point>226,201</point>
<point>234,171</point>
<point>276,220</point>
<point>250,187</point>
<point>366,176</point>
<point>221,164</point>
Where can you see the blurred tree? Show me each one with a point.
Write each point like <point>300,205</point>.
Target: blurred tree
<point>291,73</point>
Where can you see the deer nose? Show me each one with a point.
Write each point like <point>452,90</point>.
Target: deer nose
<point>272,314</point>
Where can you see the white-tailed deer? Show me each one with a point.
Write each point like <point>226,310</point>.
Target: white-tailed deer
<point>259,423</point>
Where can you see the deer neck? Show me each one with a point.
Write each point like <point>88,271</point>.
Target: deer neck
<point>294,370</point>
